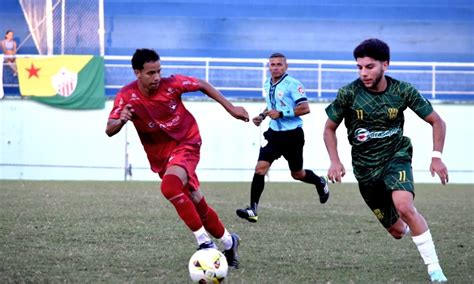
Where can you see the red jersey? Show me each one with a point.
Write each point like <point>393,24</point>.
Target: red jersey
<point>161,120</point>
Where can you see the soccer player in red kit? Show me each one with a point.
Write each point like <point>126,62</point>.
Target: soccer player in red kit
<point>170,136</point>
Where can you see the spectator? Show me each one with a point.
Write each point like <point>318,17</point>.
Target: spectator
<point>9,49</point>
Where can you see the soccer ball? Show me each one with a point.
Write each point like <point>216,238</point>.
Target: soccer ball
<point>208,266</point>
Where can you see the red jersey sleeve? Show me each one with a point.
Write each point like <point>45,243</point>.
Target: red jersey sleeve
<point>186,84</point>
<point>119,103</point>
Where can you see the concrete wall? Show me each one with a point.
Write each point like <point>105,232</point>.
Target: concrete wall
<point>44,143</point>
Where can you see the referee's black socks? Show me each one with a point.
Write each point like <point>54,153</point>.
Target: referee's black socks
<point>311,177</point>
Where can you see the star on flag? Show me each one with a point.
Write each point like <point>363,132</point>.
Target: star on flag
<point>33,71</point>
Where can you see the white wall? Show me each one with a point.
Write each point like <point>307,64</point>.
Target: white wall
<point>45,143</point>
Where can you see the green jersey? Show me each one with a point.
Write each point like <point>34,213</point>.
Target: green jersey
<point>374,122</point>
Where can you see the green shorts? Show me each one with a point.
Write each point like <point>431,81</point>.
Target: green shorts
<point>397,174</point>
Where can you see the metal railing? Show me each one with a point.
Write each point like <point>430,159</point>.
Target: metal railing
<point>242,78</point>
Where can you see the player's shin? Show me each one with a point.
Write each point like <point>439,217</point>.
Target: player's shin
<point>426,247</point>
<point>171,187</point>
<point>210,219</point>
<point>256,190</point>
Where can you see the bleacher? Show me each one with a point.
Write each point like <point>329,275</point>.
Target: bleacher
<point>310,33</point>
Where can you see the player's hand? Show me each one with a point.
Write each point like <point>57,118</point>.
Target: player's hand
<point>126,113</point>
<point>273,114</point>
<point>240,113</point>
<point>257,120</point>
<point>336,172</point>
<point>437,166</point>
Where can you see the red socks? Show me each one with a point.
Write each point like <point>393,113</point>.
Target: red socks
<point>172,189</point>
<point>210,220</point>
<point>193,215</point>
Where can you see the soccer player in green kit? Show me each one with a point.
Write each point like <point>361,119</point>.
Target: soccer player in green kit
<point>372,107</point>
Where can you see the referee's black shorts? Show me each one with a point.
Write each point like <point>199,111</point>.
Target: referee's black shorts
<point>288,144</point>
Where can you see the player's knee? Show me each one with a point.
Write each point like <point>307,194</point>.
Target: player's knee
<point>196,196</point>
<point>261,170</point>
<point>406,211</point>
<point>396,234</point>
<point>297,175</point>
<point>171,186</point>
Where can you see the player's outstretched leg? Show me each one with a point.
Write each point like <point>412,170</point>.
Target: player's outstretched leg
<point>231,254</point>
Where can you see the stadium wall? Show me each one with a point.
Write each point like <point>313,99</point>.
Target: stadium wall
<point>42,143</point>
<point>417,30</point>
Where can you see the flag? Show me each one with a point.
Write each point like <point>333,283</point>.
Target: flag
<point>1,77</point>
<point>65,81</point>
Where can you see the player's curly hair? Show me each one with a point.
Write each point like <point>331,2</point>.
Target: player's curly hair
<point>142,56</point>
<point>374,48</point>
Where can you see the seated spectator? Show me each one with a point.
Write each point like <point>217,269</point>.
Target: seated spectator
<point>9,48</point>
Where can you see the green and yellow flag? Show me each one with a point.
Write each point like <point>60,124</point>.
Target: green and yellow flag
<point>64,81</point>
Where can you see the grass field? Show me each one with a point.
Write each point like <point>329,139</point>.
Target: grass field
<point>126,232</point>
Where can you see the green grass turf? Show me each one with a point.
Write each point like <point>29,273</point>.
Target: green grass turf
<point>127,232</point>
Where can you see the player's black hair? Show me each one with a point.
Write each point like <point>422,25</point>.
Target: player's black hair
<point>277,55</point>
<point>373,48</point>
<point>142,56</point>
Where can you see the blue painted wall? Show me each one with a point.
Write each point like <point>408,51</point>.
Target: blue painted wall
<point>418,30</point>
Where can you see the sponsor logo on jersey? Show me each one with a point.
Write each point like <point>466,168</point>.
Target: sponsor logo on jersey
<point>362,134</point>
<point>172,105</point>
<point>392,113</point>
<point>173,122</point>
<point>171,91</point>
<point>186,83</point>
<point>134,97</point>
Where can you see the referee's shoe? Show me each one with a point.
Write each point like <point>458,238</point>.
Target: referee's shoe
<point>248,214</point>
<point>323,190</point>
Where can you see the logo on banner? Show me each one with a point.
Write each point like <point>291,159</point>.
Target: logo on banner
<point>64,82</point>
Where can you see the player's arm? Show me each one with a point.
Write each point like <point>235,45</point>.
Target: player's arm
<point>115,125</point>
<point>236,111</point>
<point>336,170</point>
<point>439,133</point>
<point>259,118</point>
<point>300,109</point>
